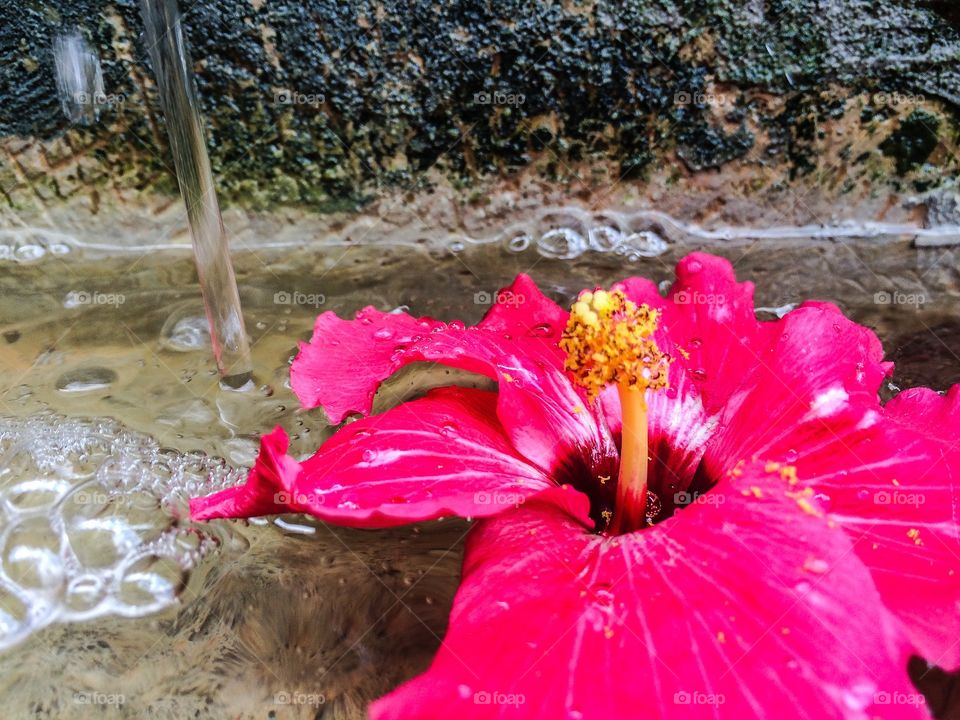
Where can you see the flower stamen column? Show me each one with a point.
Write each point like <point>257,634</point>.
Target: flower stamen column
<point>608,340</point>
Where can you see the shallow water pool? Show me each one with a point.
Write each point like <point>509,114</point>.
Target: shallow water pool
<point>113,604</point>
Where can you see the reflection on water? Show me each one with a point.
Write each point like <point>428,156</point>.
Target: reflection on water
<point>244,619</point>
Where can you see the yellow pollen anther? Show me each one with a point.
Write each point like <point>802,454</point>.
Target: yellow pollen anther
<point>608,340</point>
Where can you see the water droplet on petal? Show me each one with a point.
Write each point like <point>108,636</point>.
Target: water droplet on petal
<point>448,428</point>
<point>791,455</point>
<point>695,342</point>
<point>368,455</point>
<point>699,374</point>
<point>541,330</point>
<point>383,334</point>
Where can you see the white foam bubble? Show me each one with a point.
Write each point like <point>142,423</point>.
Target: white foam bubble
<point>94,521</point>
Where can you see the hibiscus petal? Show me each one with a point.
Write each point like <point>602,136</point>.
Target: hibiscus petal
<point>527,315</point>
<point>444,454</point>
<point>819,375</point>
<point>803,391</point>
<point>547,419</point>
<point>736,608</point>
<point>268,484</point>
<point>740,387</point>
<point>893,482</point>
<point>345,361</point>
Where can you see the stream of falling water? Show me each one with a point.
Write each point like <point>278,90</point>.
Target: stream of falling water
<point>171,66</point>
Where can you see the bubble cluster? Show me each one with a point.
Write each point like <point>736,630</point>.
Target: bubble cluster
<point>94,521</point>
<point>568,233</point>
<point>559,233</point>
<point>31,245</point>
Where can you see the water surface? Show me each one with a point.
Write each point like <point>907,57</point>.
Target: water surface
<point>112,604</point>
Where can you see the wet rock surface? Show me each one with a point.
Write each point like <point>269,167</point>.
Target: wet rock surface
<point>324,104</point>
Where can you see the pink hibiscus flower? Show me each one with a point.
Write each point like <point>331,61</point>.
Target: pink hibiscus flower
<point>684,511</point>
